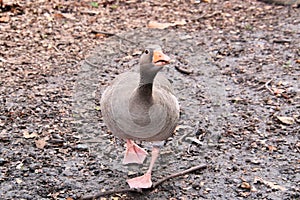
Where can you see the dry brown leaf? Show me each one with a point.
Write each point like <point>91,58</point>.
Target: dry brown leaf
<point>158,25</point>
<point>246,185</point>
<point>64,15</point>
<point>100,35</point>
<point>286,120</point>
<point>272,148</point>
<point>58,16</point>
<point>41,143</point>
<point>269,184</point>
<point>4,19</point>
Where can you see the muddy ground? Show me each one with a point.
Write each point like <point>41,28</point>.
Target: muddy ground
<point>238,88</point>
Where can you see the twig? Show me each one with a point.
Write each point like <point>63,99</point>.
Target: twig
<point>155,185</point>
<point>192,169</point>
<point>267,86</point>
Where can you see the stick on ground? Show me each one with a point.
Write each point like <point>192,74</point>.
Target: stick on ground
<point>129,190</point>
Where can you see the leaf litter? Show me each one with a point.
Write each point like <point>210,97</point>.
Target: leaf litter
<point>252,44</point>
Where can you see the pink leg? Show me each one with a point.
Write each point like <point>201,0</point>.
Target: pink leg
<point>145,180</point>
<point>134,153</point>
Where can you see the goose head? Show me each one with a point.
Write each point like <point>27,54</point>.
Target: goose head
<point>151,62</point>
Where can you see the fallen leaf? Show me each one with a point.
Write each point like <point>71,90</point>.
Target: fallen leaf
<point>58,16</point>
<point>286,120</point>
<point>246,185</point>
<point>28,135</point>
<point>41,143</point>
<point>272,148</point>
<point>158,25</point>
<point>100,35</point>
<point>4,19</point>
<point>64,15</point>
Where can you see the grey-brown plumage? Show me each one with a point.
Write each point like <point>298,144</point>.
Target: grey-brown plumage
<point>141,106</point>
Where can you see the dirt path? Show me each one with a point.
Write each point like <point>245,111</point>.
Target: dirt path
<point>240,104</point>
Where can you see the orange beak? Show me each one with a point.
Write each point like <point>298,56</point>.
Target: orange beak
<point>160,59</point>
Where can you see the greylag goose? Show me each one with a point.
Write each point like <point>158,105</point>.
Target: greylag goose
<point>141,106</point>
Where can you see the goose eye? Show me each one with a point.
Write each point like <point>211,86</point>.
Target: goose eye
<point>146,51</point>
